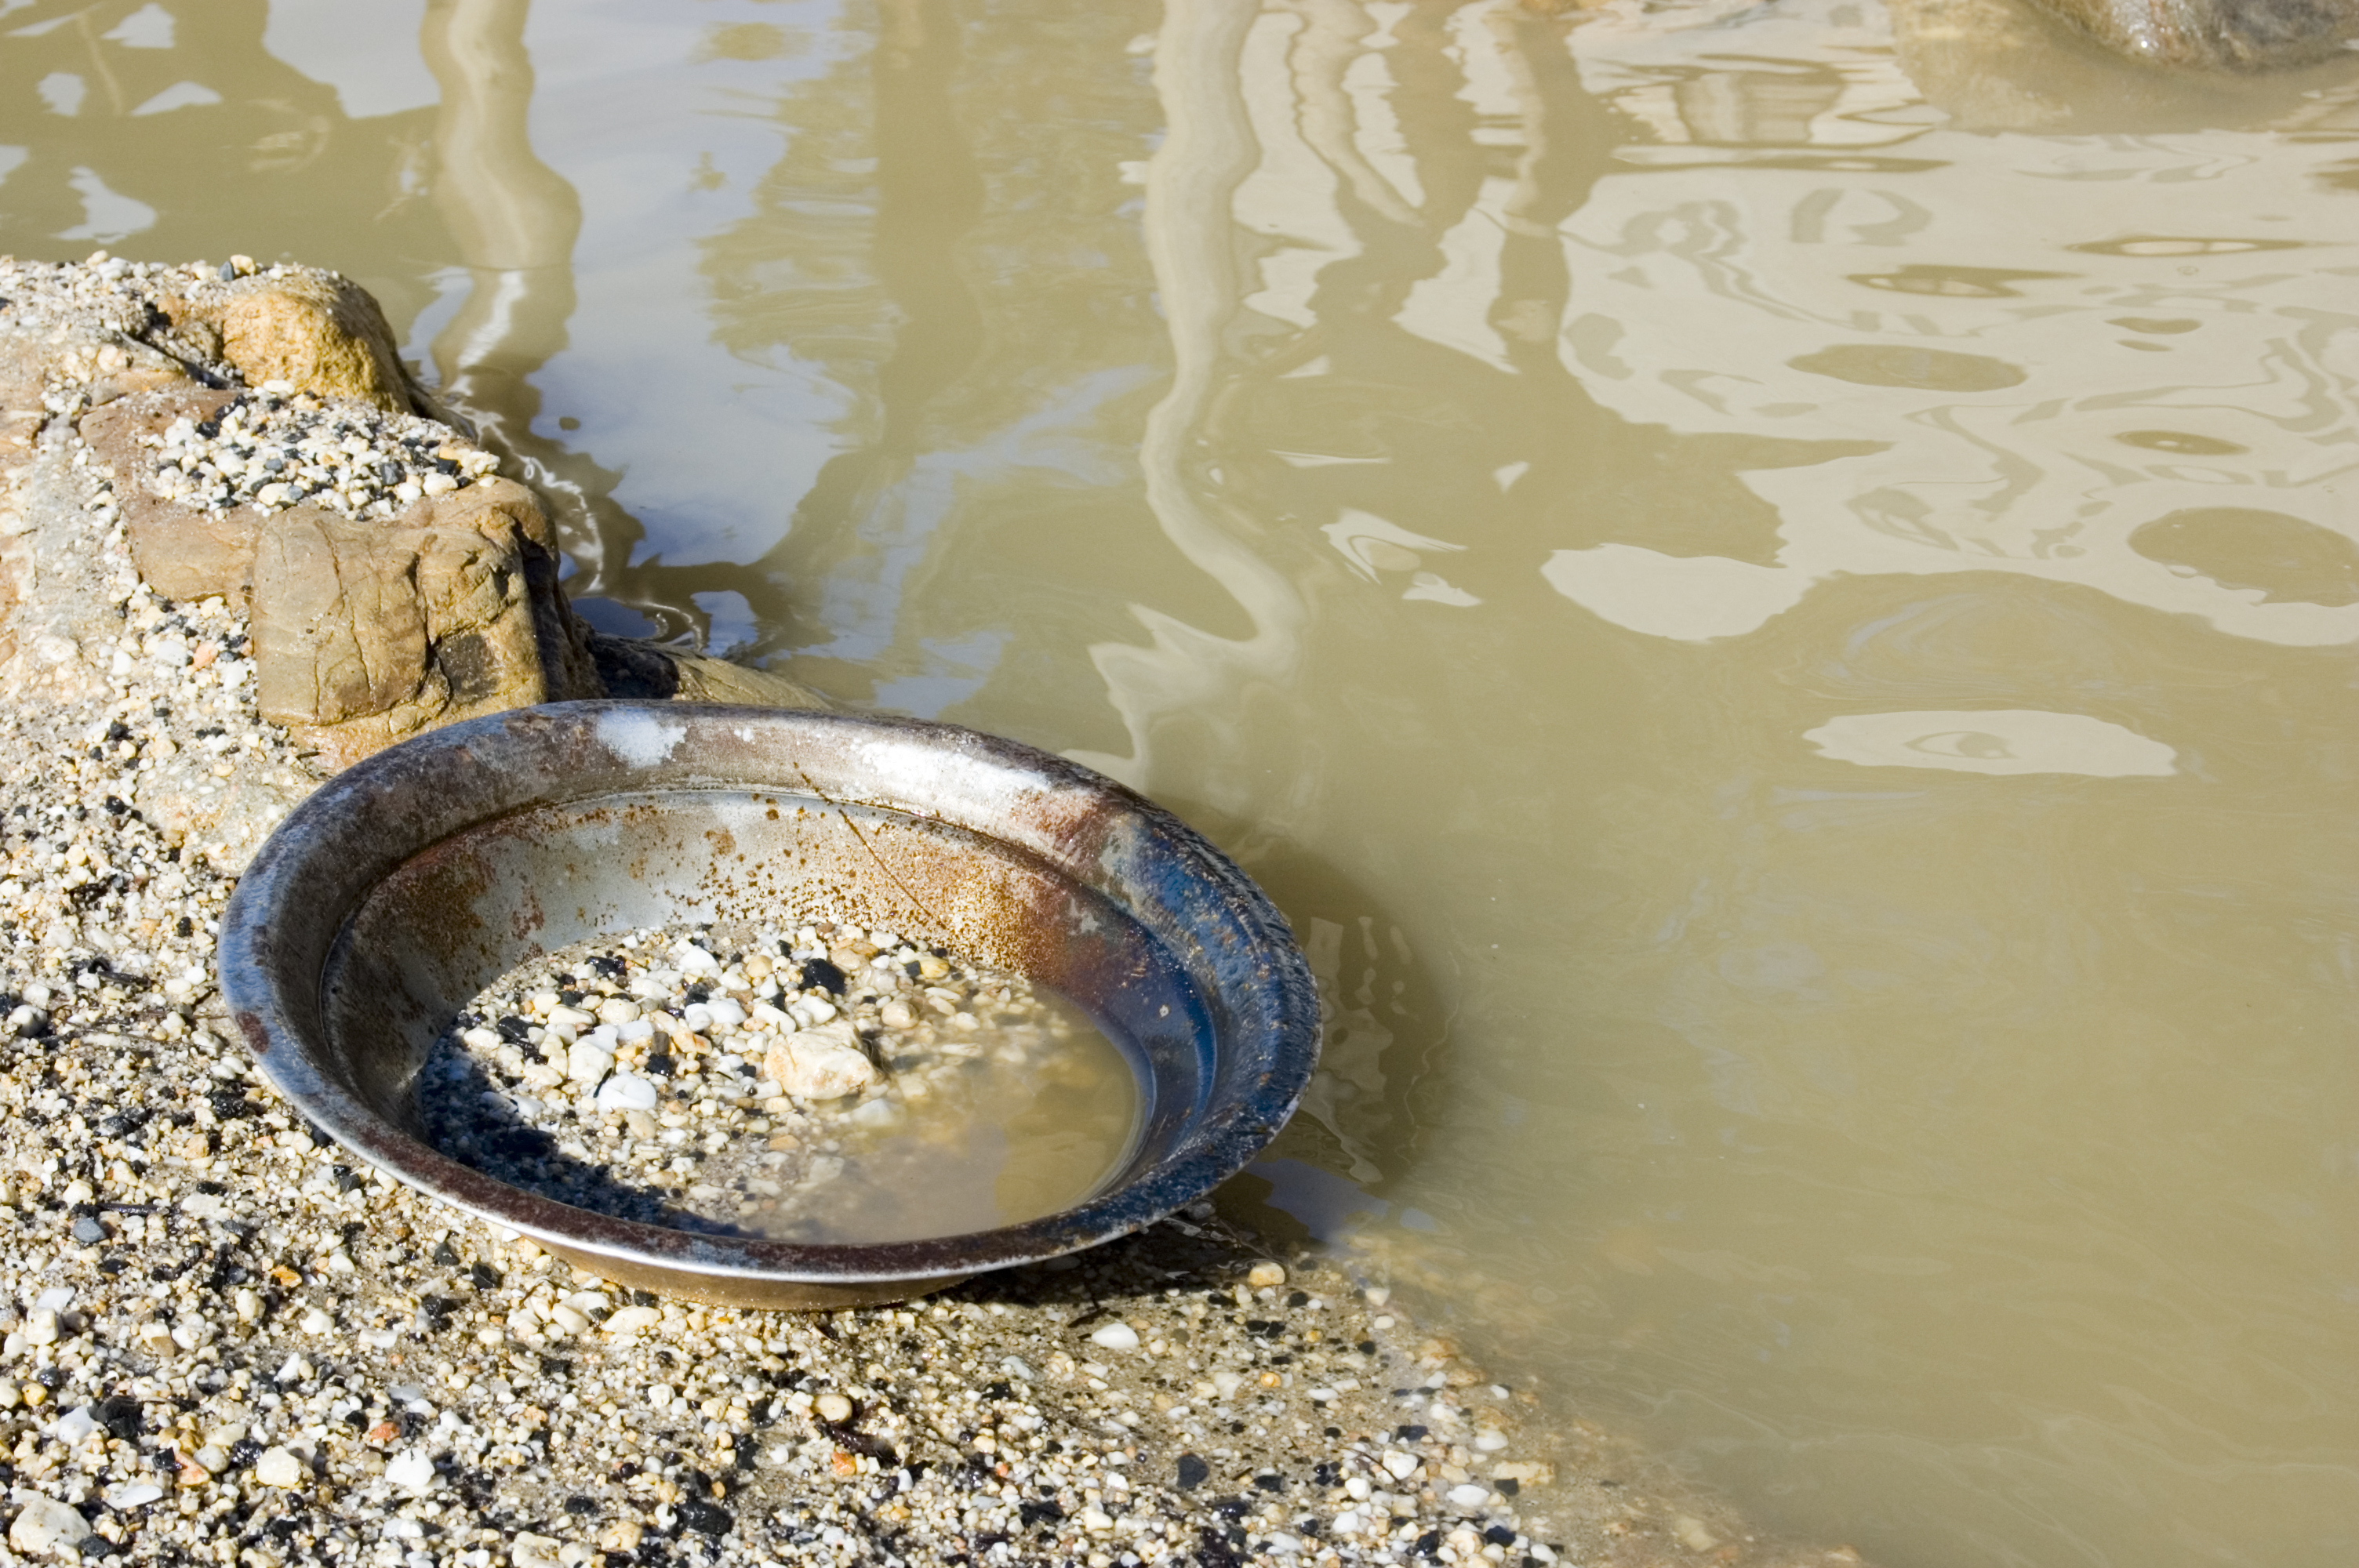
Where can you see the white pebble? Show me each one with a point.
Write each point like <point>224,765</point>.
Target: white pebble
<point>1116,1336</point>
<point>634,1320</point>
<point>318,1322</point>
<point>726,1013</point>
<point>73,1426</point>
<point>280,1468</point>
<point>820,1064</point>
<point>1468,1496</point>
<point>833,1408</point>
<point>1401,1464</point>
<point>46,1527</point>
<point>586,1063</point>
<point>413,1470</point>
<point>627,1091</point>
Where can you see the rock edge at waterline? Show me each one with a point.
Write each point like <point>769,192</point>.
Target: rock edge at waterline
<point>218,1338</point>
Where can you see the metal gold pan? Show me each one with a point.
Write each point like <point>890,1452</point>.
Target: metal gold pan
<point>411,880</point>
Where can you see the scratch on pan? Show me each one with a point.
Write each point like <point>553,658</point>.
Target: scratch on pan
<point>854,827</point>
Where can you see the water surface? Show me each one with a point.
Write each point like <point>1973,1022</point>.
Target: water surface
<point>1772,588</point>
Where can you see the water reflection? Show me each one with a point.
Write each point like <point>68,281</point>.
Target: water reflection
<point>114,115</point>
<point>1770,589</point>
<point>1791,1105</point>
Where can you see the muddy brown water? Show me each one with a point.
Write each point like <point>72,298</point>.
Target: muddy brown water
<point>1771,587</point>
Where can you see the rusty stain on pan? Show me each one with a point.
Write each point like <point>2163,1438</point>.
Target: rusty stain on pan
<point>407,882</point>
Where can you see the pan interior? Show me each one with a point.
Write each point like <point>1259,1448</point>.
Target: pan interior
<point>452,919</point>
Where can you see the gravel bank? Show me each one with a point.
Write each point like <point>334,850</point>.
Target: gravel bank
<point>222,1341</point>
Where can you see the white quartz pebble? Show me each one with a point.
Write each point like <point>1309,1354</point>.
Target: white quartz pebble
<point>820,1064</point>
<point>414,1471</point>
<point>634,1320</point>
<point>45,1528</point>
<point>627,1091</point>
<point>1115,1335</point>
<point>279,1467</point>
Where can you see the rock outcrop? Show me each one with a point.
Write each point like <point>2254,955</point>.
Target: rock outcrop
<point>315,330</point>
<point>391,581</point>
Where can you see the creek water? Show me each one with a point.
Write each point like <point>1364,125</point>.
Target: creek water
<point>1770,586</point>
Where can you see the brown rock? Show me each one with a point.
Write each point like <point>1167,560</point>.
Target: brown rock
<point>339,625</point>
<point>319,332</point>
<point>628,666</point>
<point>2216,35</point>
<point>501,506</point>
<point>181,553</point>
<point>365,632</point>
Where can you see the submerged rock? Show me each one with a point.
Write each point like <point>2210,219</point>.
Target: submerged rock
<point>2216,35</point>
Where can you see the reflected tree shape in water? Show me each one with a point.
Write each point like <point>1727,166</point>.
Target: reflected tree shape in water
<point>944,249</point>
<point>112,114</point>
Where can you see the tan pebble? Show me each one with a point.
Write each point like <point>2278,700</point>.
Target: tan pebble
<point>34,1394</point>
<point>1266,1276</point>
<point>843,1464</point>
<point>833,1408</point>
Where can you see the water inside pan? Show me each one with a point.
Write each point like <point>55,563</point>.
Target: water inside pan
<point>820,1082</point>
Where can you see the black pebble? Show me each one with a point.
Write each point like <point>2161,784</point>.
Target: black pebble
<point>1193,1472</point>
<point>446,1254</point>
<point>1499,1535</point>
<point>818,974</point>
<point>119,1414</point>
<point>706,1519</point>
<point>1270,1483</point>
<point>658,1064</point>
